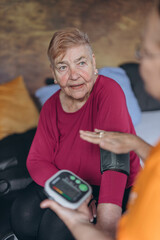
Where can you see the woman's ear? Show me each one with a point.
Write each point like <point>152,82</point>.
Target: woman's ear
<point>53,74</point>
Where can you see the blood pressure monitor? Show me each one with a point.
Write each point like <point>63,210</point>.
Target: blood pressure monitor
<point>67,189</point>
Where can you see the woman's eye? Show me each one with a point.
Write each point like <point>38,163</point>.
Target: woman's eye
<point>82,63</point>
<point>62,68</point>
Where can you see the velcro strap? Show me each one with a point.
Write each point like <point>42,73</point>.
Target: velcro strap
<point>115,162</point>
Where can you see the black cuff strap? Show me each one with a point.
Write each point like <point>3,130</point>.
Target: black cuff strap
<point>115,162</point>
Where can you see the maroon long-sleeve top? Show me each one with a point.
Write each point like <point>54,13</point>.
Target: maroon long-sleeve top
<point>57,143</point>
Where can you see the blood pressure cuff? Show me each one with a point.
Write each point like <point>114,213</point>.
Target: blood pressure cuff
<point>115,162</point>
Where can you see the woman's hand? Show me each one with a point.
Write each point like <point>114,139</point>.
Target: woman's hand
<point>69,216</point>
<point>77,220</point>
<point>117,142</point>
<point>113,141</point>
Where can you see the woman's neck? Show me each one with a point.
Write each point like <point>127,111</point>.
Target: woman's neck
<point>70,104</point>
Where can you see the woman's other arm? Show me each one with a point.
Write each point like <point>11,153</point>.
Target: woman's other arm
<point>40,162</point>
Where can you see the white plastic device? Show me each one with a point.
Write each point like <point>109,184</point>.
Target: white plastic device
<point>67,189</point>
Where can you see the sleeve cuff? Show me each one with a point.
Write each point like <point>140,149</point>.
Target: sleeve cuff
<point>112,187</point>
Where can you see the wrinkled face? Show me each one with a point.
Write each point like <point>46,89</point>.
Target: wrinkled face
<point>75,72</point>
<point>150,62</point>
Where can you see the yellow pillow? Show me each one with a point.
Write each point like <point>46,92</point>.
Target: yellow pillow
<point>18,112</point>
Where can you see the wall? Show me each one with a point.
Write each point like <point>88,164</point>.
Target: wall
<point>26,27</point>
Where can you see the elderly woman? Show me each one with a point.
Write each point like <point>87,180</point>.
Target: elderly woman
<point>85,101</point>
<point>141,221</point>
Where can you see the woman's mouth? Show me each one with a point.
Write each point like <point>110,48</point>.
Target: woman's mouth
<point>76,87</point>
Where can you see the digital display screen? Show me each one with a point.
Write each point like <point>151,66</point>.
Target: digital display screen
<point>68,188</point>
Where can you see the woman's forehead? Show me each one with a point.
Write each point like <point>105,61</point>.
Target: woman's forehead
<point>76,52</point>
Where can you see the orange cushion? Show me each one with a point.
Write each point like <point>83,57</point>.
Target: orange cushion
<point>18,112</point>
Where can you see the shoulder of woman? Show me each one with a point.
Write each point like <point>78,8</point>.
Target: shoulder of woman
<point>50,105</point>
<point>108,85</point>
<point>52,100</point>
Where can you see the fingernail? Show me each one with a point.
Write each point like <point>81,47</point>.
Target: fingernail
<point>91,220</point>
<point>94,215</point>
<point>42,205</point>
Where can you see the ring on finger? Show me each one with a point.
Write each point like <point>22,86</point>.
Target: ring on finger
<point>100,134</point>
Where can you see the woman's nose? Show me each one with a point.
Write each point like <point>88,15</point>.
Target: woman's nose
<point>73,73</point>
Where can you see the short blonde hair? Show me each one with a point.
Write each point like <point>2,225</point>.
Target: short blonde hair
<point>64,39</point>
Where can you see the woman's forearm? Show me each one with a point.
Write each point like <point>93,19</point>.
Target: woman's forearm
<point>85,231</point>
<point>140,147</point>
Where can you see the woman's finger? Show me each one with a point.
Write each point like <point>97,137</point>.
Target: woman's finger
<point>98,130</point>
<point>88,133</point>
<point>47,203</point>
<point>95,140</point>
<point>94,209</point>
<point>91,137</point>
